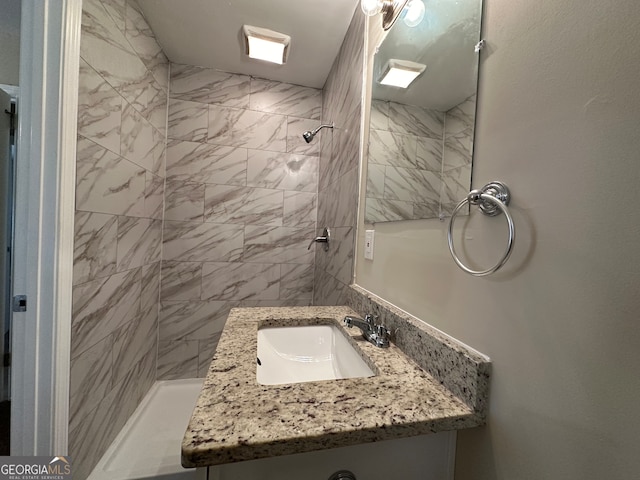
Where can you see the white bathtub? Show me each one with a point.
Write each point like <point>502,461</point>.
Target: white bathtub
<point>148,446</point>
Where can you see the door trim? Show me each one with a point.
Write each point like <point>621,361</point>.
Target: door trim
<point>44,226</point>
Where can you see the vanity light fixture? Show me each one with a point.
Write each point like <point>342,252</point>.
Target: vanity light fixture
<point>267,45</point>
<point>414,13</point>
<point>390,10</point>
<point>400,73</point>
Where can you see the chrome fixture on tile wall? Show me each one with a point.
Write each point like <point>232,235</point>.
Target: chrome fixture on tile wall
<point>324,238</point>
<point>390,10</point>
<point>309,134</point>
<point>492,199</point>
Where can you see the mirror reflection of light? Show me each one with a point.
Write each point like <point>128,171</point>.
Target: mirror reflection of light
<point>294,166</point>
<point>414,13</point>
<point>371,7</point>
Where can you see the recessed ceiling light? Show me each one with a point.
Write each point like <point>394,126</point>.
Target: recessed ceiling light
<point>267,45</point>
<point>400,73</point>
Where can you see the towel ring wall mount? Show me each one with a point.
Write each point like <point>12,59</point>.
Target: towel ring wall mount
<point>492,200</point>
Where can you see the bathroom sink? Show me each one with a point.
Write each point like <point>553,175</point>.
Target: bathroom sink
<point>306,353</point>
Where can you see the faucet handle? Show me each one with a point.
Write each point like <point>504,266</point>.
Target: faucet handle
<point>382,331</point>
<point>371,319</point>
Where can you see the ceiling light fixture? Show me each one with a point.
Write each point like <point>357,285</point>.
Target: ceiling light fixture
<point>414,13</point>
<point>400,73</point>
<point>390,10</point>
<point>267,45</point>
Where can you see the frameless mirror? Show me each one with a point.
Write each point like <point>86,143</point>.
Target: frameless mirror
<point>421,136</point>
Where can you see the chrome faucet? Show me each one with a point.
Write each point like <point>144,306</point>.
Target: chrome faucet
<point>376,334</point>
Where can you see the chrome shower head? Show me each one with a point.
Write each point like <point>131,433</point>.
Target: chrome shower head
<point>309,134</point>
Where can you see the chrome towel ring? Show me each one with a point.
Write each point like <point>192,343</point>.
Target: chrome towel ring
<point>492,199</point>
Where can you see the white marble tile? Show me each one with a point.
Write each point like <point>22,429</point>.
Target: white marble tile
<point>146,370</point>
<point>347,69</point>
<point>206,163</point>
<point>177,359</point>
<point>141,37</point>
<point>296,282</point>
<point>300,209</point>
<point>380,210</point>
<point>346,142</point>
<point>277,245</point>
<point>138,144</point>
<point>208,242</point>
<point>412,185</point>
<point>429,154</point>
<point>150,293</point>
<point>243,205</point>
<point>157,105</point>
<point>286,99</point>
<point>117,11</point>
<point>328,173</point>
<point>181,281</point>
<point>99,109</point>
<point>414,120</point>
<point>131,342</point>
<point>387,148</point>
<point>240,281</point>
<point>188,121</point>
<point>102,306</point>
<point>91,433</point>
<point>295,142</point>
<point>105,48</point>
<point>184,201</point>
<point>161,73</point>
<point>328,290</point>
<point>458,150</point>
<point>456,184</point>
<point>207,85</point>
<point>282,171</point>
<point>206,350</point>
<point>193,320</point>
<point>426,210</point>
<point>94,246</point>
<point>379,119</point>
<point>153,196</point>
<point>108,183</point>
<point>461,117</point>
<point>139,242</point>
<point>338,261</point>
<point>236,127</point>
<point>337,205</point>
<point>375,180</point>
<point>90,377</point>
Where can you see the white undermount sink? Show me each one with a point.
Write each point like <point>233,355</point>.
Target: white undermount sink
<point>307,353</point>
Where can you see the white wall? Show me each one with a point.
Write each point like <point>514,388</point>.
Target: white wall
<point>559,104</point>
<point>9,41</point>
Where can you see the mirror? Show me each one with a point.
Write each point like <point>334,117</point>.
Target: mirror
<point>421,137</point>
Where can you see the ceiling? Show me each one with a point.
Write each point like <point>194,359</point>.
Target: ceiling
<point>208,33</point>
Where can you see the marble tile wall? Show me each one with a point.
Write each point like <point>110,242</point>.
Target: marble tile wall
<point>240,207</point>
<point>339,164</point>
<point>419,162</point>
<point>404,175</point>
<point>457,154</point>
<point>122,115</point>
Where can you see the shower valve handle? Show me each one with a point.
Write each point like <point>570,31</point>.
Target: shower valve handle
<point>324,238</point>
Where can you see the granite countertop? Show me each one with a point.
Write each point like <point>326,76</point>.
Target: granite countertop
<point>237,419</point>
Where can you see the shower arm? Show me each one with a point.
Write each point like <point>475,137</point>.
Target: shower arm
<point>313,132</point>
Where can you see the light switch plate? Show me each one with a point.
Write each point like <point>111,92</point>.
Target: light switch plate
<point>368,244</point>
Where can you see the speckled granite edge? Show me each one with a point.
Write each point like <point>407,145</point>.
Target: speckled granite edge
<point>237,419</point>
<point>461,370</point>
